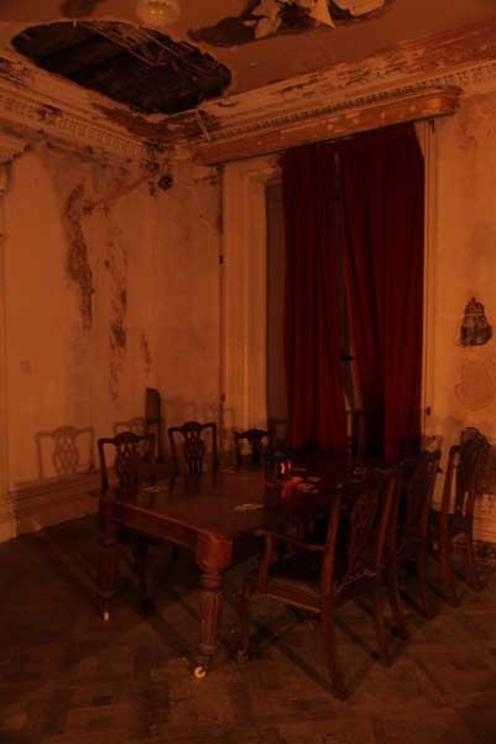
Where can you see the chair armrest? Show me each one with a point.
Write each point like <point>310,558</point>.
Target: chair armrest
<point>281,537</point>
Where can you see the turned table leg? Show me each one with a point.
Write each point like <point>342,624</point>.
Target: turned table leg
<point>107,559</point>
<point>213,555</point>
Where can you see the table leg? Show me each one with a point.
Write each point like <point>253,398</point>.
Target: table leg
<point>107,559</point>
<point>213,555</point>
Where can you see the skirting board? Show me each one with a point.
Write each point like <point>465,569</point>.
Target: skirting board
<point>39,506</point>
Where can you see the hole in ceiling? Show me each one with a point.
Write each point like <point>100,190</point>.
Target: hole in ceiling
<point>140,67</point>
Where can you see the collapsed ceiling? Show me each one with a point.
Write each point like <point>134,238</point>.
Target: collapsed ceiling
<point>265,18</point>
<point>101,46</point>
<point>142,68</point>
<point>281,54</point>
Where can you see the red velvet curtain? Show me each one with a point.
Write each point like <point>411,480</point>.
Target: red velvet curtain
<point>382,176</point>
<point>317,417</point>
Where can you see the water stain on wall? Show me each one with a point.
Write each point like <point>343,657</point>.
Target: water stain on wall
<point>116,266</point>
<point>477,387</point>
<point>146,353</point>
<point>77,264</point>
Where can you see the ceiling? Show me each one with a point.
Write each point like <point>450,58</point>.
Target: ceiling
<point>141,68</point>
<point>271,59</point>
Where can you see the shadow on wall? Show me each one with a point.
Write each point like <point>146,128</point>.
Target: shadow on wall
<point>65,452</point>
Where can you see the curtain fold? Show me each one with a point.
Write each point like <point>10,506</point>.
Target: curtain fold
<point>382,179</point>
<point>317,417</point>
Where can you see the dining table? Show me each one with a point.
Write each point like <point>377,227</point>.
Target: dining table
<point>206,514</point>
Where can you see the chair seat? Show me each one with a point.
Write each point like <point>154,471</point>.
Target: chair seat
<point>295,580</point>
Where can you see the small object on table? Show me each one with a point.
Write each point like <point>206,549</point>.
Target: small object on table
<point>253,506</point>
<point>291,485</point>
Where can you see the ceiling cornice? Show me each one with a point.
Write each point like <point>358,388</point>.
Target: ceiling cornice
<point>464,59</point>
<point>40,105</point>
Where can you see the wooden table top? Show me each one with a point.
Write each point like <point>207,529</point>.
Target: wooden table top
<point>214,502</point>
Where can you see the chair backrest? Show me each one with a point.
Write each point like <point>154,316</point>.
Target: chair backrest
<point>367,433</point>
<point>194,449</point>
<point>130,450</point>
<point>416,481</point>
<point>153,419</point>
<point>464,462</point>
<point>362,510</point>
<point>259,442</point>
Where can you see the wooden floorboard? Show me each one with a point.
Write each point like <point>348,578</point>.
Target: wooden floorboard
<point>65,677</point>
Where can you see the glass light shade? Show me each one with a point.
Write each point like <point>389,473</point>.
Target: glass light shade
<point>158,13</point>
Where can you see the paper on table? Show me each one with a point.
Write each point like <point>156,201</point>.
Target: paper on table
<point>153,489</point>
<point>249,507</point>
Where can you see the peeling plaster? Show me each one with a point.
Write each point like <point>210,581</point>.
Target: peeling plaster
<point>261,19</point>
<point>116,266</point>
<point>14,73</point>
<point>146,353</point>
<point>77,265</point>
<point>164,130</point>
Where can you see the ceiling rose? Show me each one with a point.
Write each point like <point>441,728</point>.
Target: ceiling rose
<point>158,13</point>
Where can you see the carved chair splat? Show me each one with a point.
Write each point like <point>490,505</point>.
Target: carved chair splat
<point>194,447</point>
<point>255,440</point>
<point>456,516</point>
<point>409,535</point>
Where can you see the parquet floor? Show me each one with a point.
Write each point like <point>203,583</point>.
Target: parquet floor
<point>67,677</point>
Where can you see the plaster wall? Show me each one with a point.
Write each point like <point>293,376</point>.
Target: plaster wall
<point>462,380</point>
<point>108,290</point>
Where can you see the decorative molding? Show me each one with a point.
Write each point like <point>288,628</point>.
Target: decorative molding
<point>32,508</point>
<point>39,105</point>
<point>465,59</point>
<point>244,281</point>
<point>10,148</point>
<point>344,121</point>
<point>24,113</point>
<point>43,105</point>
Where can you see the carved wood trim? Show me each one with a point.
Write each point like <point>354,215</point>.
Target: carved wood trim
<point>464,58</point>
<point>412,107</point>
<point>42,105</point>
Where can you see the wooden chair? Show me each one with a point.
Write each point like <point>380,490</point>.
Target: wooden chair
<point>260,450</point>
<point>194,449</point>
<point>131,451</point>
<point>134,460</point>
<point>367,433</point>
<point>320,578</point>
<point>153,419</point>
<point>410,540</point>
<point>456,516</point>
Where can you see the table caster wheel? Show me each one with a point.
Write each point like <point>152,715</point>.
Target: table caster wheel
<point>200,672</point>
<point>106,616</point>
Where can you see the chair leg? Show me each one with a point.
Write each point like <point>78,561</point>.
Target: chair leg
<point>472,571</point>
<point>380,628</point>
<point>447,572</point>
<point>140,550</point>
<point>423,585</point>
<point>244,620</point>
<point>394,599</point>
<point>333,667</point>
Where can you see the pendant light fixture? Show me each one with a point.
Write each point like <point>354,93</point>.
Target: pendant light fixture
<point>158,13</point>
